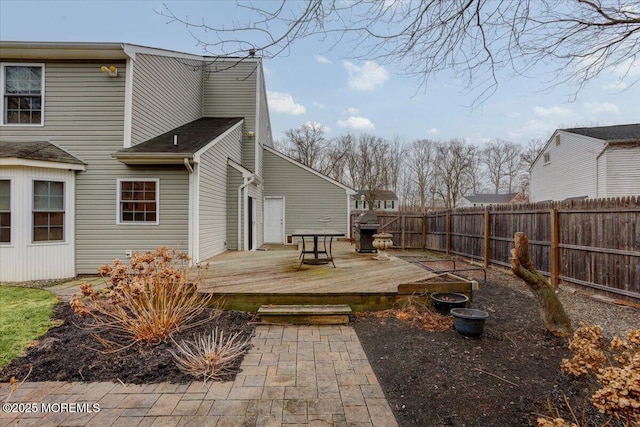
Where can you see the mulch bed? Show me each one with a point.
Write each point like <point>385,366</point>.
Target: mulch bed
<point>69,352</point>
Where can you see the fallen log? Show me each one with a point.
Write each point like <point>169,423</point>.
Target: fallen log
<point>552,313</point>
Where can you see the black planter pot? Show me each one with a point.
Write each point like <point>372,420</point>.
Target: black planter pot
<point>443,302</point>
<point>469,322</point>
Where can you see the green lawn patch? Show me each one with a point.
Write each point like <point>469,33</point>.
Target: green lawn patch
<point>25,314</point>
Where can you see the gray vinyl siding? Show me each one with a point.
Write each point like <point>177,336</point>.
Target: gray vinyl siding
<point>622,171</point>
<point>234,178</point>
<point>213,204</point>
<point>230,91</point>
<point>310,201</point>
<point>84,114</point>
<point>167,93</point>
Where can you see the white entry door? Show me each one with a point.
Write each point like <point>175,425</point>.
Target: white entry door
<point>274,220</point>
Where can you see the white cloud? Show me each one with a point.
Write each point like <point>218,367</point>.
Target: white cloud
<point>319,105</point>
<point>433,131</point>
<point>356,123</point>
<point>323,59</point>
<point>351,111</point>
<point>601,107</point>
<point>369,76</point>
<point>618,85</point>
<point>514,115</point>
<point>553,111</point>
<point>280,102</point>
<point>317,125</point>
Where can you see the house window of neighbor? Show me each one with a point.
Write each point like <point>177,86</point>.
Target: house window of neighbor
<point>22,94</point>
<point>138,201</point>
<point>5,211</point>
<point>48,211</point>
<point>547,157</point>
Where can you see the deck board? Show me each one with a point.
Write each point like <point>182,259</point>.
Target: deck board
<point>276,271</point>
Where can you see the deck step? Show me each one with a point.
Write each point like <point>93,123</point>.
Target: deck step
<point>303,314</point>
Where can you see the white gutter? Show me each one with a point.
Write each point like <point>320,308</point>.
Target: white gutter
<point>192,206</point>
<point>242,220</point>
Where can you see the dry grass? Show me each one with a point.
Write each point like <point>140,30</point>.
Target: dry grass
<point>418,315</point>
<point>147,300</point>
<point>210,356</point>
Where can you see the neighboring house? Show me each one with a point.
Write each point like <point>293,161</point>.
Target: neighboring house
<point>487,199</point>
<point>596,162</point>
<point>385,200</point>
<point>108,148</point>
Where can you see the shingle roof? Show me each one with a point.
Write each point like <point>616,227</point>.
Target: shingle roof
<point>610,133</point>
<point>491,198</point>
<point>37,150</point>
<point>380,194</point>
<point>190,137</point>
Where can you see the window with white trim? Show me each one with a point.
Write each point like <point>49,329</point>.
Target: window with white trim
<point>547,157</point>
<point>48,211</point>
<point>22,94</point>
<point>5,211</point>
<point>138,201</point>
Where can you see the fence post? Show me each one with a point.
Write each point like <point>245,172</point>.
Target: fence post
<point>448,232</point>
<point>554,260</point>
<point>403,225</point>
<point>424,230</point>
<point>487,237</point>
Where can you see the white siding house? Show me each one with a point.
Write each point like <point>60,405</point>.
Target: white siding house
<point>597,162</point>
<point>126,148</point>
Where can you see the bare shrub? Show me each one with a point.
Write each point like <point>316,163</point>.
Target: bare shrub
<point>616,368</point>
<point>147,300</point>
<point>210,356</point>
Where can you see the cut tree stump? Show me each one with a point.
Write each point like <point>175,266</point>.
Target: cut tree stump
<point>552,312</point>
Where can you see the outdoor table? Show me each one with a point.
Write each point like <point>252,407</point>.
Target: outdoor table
<point>316,235</point>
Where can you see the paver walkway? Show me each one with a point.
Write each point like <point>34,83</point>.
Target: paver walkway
<point>292,376</point>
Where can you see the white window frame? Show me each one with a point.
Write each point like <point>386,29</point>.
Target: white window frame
<point>119,181</point>
<point>3,66</point>
<point>546,157</point>
<point>65,206</point>
<point>11,210</point>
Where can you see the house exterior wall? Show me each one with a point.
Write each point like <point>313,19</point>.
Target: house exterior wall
<point>167,93</point>
<point>23,259</point>
<point>310,201</point>
<point>230,91</point>
<point>213,222</point>
<point>84,115</point>
<point>571,171</point>
<point>234,181</point>
<point>622,170</point>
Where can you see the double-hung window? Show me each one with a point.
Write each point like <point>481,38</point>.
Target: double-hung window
<point>48,211</point>
<point>138,201</point>
<point>22,94</point>
<point>5,211</point>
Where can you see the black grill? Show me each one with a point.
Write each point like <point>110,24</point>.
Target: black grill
<point>366,227</point>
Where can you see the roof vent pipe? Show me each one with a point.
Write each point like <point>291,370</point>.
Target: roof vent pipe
<point>175,139</point>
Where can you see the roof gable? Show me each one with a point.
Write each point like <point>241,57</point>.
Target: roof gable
<point>630,132</point>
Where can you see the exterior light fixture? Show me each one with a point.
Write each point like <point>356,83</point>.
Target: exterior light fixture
<point>112,70</point>
<point>250,134</point>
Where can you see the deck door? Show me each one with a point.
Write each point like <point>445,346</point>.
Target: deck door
<point>274,220</point>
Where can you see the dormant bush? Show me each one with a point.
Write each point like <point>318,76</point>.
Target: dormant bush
<point>147,300</point>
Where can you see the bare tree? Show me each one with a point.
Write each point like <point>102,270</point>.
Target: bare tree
<point>475,38</point>
<point>306,144</point>
<point>368,166</point>
<point>454,167</point>
<point>420,163</point>
<point>503,163</point>
<point>529,155</point>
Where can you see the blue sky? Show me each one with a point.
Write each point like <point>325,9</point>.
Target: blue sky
<point>315,84</point>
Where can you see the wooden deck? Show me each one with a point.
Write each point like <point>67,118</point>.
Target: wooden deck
<point>246,280</point>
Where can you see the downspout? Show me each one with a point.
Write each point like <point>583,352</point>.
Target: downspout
<point>192,236</point>
<point>246,204</point>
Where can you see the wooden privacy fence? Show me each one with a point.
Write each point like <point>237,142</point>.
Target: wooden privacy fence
<point>593,243</point>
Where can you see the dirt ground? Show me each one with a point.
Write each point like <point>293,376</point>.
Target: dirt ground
<point>508,377</point>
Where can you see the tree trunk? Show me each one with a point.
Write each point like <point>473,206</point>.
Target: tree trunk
<point>552,313</point>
